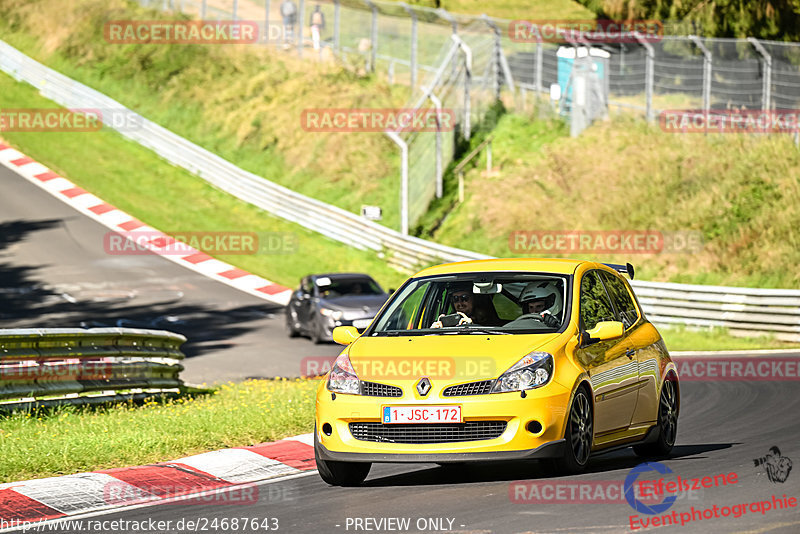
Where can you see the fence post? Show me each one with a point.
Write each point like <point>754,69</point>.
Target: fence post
<point>466,129</point>
<point>301,14</point>
<point>403,180</point>
<point>413,15</point>
<point>707,59</point>
<point>766,92</point>
<point>649,75</point>
<point>438,104</point>
<point>336,16</point>
<point>454,25</point>
<point>495,55</point>
<point>539,60</point>
<point>203,9</point>
<point>235,9</point>
<point>373,49</point>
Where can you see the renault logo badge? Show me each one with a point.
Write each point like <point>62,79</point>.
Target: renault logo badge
<point>424,386</point>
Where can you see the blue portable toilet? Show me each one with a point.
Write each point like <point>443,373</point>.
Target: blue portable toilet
<point>567,57</point>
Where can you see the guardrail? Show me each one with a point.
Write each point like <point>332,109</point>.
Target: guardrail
<point>77,365</point>
<point>762,310</point>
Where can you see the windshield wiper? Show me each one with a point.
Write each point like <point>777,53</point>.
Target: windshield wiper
<point>471,330</point>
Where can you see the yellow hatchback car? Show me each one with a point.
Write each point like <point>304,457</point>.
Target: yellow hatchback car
<point>498,360</point>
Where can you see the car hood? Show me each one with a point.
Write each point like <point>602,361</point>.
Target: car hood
<point>369,304</point>
<point>455,358</point>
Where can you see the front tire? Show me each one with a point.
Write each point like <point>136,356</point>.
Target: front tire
<point>341,473</point>
<point>579,435</point>
<point>667,423</point>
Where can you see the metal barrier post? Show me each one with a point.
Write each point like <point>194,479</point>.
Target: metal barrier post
<point>403,181</point>
<point>539,61</point>
<point>649,75</point>
<point>766,91</point>
<point>438,104</point>
<point>235,9</point>
<point>454,26</point>
<point>413,15</point>
<point>495,55</point>
<point>707,59</point>
<point>203,9</point>
<point>466,127</point>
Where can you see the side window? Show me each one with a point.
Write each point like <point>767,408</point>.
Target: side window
<point>626,310</point>
<point>595,306</point>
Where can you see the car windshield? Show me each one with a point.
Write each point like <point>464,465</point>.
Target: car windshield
<point>338,287</point>
<point>476,303</point>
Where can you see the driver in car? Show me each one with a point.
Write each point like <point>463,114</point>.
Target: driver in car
<point>541,302</point>
<point>469,311</point>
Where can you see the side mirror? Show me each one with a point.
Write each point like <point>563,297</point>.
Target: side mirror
<point>344,335</point>
<point>605,330</point>
<point>391,290</point>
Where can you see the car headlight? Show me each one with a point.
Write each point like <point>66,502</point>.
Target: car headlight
<point>333,314</point>
<point>343,378</point>
<point>532,371</point>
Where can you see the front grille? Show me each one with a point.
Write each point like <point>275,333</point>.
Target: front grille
<point>428,433</point>
<point>374,389</point>
<point>472,388</point>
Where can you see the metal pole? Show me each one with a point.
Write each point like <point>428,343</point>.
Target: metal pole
<point>766,93</point>
<point>441,12</point>
<point>539,60</point>
<point>203,9</point>
<point>403,181</point>
<point>707,58</point>
<point>300,21</point>
<point>466,128</point>
<point>438,104</point>
<point>235,8</point>
<point>489,156</point>
<point>649,76</point>
<point>336,15</point>
<point>413,16</point>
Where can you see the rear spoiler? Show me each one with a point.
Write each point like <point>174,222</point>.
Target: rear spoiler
<point>622,269</point>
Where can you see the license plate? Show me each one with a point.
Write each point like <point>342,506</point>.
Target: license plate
<point>421,414</point>
<point>361,323</point>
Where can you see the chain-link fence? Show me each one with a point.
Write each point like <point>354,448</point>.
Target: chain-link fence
<point>415,46</point>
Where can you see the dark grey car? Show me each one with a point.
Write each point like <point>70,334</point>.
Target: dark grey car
<point>325,301</point>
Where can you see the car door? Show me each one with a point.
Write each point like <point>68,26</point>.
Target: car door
<point>305,301</point>
<point>640,337</point>
<point>613,374</point>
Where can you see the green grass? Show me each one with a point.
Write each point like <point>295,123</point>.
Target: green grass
<point>69,439</point>
<point>244,103</point>
<point>681,338</point>
<point>170,199</point>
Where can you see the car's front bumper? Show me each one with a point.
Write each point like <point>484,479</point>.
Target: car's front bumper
<point>546,405</point>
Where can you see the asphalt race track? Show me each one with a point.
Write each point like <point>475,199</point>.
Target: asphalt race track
<point>54,272</point>
<point>723,427</point>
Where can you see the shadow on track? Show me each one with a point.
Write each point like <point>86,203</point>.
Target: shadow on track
<point>621,460</point>
<point>26,301</point>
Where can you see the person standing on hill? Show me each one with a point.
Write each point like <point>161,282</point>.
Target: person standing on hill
<point>317,24</point>
<point>289,14</point>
